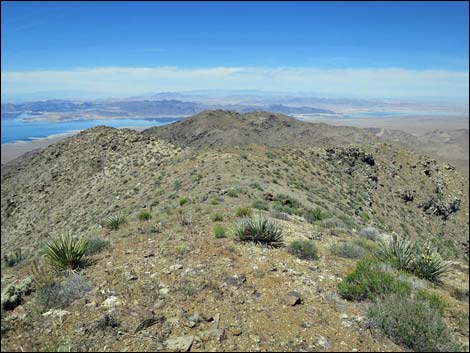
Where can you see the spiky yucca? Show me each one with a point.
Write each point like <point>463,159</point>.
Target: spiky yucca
<point>398,251</point>
<point>114,222</point>
<point>428,264</point>
<point>65,252</point>
<point>259,230</point>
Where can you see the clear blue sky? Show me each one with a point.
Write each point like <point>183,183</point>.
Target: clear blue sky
<point>190,35</point>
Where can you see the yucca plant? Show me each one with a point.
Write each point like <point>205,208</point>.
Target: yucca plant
<point>398,251</point>
<point>259,230</point>
<point>114,222</point>
<point>428,264</point>
<point>65,252</point>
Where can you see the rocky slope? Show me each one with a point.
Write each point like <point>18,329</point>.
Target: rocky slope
<point>168,284</point>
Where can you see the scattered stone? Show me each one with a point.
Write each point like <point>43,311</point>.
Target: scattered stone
<point>176,267</point>
<point>235,281</point>
<point>111,302</point>
<point>107,321</point>
<point>179,344</point>
<point>56,313</point>
<point>216,333</point>
<point>323,342</point>
<point>307,324</point>
<point>293,298</point>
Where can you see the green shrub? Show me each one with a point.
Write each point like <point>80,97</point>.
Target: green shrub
<point>261,205</point>
<point>115,222</point>
<point>217,217</point>
<point>413,322</point>
<point>59,295</point>
<point>315,215</point>
<point>219,231</point>
<point>428,264</point>
<point>244,212</point>
<point>370,281</point>
<point>367,244</point>
<point>184,201</point>
<point>398,251</point>
<point>232,193</point>
<point>14,258</point>
<point>66,252</point>
<point>348,250</point>
<point>144,216</point>
<point>97,244</point>
<point>259,230</point>
<point>304,249</point>
<point>435,301</point>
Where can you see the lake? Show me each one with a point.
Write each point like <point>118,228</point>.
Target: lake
<point>15,129</point>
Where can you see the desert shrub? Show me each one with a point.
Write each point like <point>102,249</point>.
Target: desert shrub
<point>413,322</point>
<point>184,201</point>
<point>398,251</point>
<point>185,219</point>
<point>314,215</point>
<point>144,216</point>
<point>428,264</point>
<point>261,205</point>
<point>370,233</point>
<point>219,231</point>
<point>115,222</point>
<point>332,223</point>
<point>65,252</point>
<point>434,300</point>
<point>280,215</point>
<point>232,193</point>
<point>217,217</point>
<point>348,250</point>
<point>96,244</point>
<point>304,249</point>
<point>14,258</point>
<point>370,281</point>
<point>259,230</point>
<point>244,212</point>
<point>367,244</point>
<point>59,295</point>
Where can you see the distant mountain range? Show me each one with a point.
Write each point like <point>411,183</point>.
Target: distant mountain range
<point>67,109</point>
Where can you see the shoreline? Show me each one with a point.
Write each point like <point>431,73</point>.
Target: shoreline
<point>13,150</point>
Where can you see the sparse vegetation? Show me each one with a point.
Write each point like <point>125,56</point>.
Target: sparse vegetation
<point>232,192</point>
<point>370,233</point>
<point>115,222</point>
<point>304,249</point>
<point>61,294</point>
<point>259,230</point>
<point>144,216</point>
<point>217,217</point>
<point>349,250</point>
<point>370,281</point>
<point>65,253</point>
<point>317,214</point>
<point>13,259</point>
<point>184,201</point>
<point>96,245</point>
<point>414,322</point>
<point>261,205</point>
<point>244,212</point>
<point>219,231</point>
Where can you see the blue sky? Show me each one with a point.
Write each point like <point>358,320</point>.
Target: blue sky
<point>313,46</point>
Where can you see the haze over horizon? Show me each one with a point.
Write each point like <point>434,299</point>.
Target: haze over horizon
<point>362,50</point>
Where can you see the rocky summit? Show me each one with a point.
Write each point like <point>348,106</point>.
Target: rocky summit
<point>234,232</point>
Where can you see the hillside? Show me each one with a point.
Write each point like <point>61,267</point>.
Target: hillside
<point>200,292</point>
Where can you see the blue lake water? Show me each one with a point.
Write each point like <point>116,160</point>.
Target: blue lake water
<point>15,129</point>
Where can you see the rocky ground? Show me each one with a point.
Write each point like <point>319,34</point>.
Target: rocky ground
<point>168,283</point>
